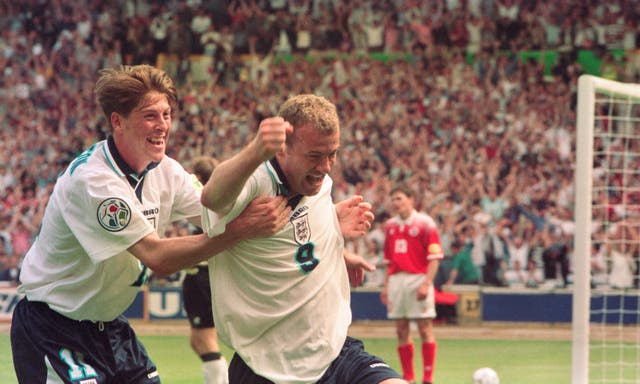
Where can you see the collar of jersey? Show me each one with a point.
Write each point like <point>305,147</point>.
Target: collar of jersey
<point>408,219</point>
<point>278,177</point>
<point>121,167</point>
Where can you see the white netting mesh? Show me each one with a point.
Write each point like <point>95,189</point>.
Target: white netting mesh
<point>613,232</point>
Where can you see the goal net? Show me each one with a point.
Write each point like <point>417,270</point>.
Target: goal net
<point>606,315</point>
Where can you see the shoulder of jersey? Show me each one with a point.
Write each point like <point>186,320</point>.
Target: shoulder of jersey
<point>425,218</point>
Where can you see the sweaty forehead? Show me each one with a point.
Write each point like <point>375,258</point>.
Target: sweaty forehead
<point>327,143</point>
<point>153,100</point>
<point>308,140</point>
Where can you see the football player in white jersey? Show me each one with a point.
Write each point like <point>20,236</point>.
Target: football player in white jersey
<point>99,240</point>
<point>285,309</point>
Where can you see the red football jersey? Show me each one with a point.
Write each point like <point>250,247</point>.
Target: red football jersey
<point>411,244</point>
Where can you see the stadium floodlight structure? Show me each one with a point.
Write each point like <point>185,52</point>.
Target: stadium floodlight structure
<point>606,316</point>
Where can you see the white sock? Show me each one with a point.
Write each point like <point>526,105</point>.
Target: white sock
<point>215,371</point>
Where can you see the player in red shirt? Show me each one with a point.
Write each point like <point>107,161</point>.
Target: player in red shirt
<point>413,252</point>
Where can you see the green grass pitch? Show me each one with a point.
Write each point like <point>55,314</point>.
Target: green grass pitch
<point>516,361</point>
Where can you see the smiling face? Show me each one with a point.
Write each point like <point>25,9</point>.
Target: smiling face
<point>308,158</point>
<point>142,136</point>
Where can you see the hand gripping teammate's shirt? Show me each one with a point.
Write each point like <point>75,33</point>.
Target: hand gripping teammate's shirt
<point>282,302</point>
<point>79,264</point>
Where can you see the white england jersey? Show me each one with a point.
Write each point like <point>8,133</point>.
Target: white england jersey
<point>79,264</point>
<point>283,302</point>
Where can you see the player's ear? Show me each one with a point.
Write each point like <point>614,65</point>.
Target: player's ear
<point>281,154</point>
<point>289,129</point>
<point>115,120</point>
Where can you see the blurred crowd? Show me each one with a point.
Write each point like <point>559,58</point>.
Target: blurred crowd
<point>431,93</point>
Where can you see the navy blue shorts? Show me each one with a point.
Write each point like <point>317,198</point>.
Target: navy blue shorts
<point>48,347</point>
<point>196,293</point>
<point>353,365</point>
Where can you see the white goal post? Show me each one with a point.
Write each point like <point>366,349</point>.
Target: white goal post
<point>606,335</point>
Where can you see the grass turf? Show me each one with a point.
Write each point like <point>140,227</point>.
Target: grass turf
<point>516,361</point>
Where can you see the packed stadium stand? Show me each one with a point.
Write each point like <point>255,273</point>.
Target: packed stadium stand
<point>472,103</point>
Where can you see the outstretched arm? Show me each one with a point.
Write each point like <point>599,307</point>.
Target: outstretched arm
<point>264,216</point>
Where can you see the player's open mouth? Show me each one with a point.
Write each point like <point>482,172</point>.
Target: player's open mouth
<point>315,179</point>
<point>156,140</point>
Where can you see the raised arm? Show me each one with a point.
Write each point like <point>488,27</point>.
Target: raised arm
<point>228,178</point>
